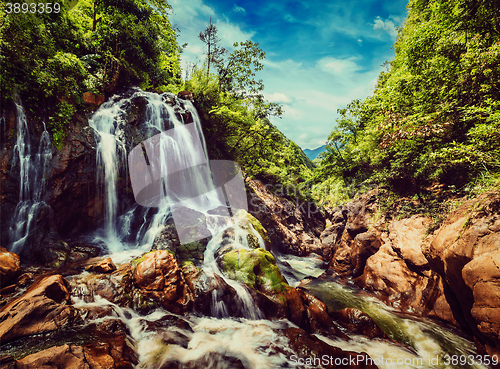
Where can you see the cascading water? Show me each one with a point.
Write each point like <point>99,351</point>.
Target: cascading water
<point>33,169</point>
<point>110,155</point>
<point>108,122</point>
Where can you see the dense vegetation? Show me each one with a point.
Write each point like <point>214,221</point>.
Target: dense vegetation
<point>433,121</point>
<point>50,60</point>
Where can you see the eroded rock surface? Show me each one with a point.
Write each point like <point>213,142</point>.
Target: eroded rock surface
<point>42,309</point>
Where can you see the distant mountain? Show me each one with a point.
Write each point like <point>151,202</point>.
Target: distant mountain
<point>313,154</point>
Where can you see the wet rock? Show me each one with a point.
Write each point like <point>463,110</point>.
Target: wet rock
<point>248,222</point>
<point>167,238</point>
<point>57,357</point>
<point>212,295</point>
<point>357,322</point>
<point>186,95</point>
<point>191,224</point>
<point>41,309</point>
<point>318,320</point>
<point>255,268</point>
<point>159,277</point>
<point>293,226</point>
<point>305,346</point>
<point>112,352</point>
<point>10,265</point>
<point>103,266</point>
<point>7,362</point>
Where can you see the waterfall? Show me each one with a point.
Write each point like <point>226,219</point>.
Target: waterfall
<point>110,155</point>
<point>177,149</point>
<point>33,170</point>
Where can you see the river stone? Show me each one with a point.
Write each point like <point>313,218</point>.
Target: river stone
<point>357,322</point>
<point>10,265</point>
<point>104,266</point>
<point>305,346</point>
<point>159,278</point>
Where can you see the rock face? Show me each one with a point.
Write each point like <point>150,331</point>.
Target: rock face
<point>388,261</point>
<point>41,309</point>
<point>10,264</point>
<point>71,203</point>
<point>450,275</point>
<point>466,252</point>
<point>293,227</point>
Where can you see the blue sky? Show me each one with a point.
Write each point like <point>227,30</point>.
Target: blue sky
<point>319,55</point>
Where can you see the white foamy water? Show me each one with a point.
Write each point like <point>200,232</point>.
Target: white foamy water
<point>33,169</point>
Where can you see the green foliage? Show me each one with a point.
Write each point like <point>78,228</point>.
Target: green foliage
<point>96,46</point>
<point>59,122</point>
<point>434,117</point>
<point>238,129</point>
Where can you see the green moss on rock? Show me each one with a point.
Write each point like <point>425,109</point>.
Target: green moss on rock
<point>245,216</point>
<point>256,268</point>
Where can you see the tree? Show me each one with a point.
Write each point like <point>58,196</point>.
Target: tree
<point>237,72</point>
<point>214,52</point>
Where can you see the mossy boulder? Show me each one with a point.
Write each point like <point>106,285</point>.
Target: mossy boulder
<point>247,222</point>
<point>255,268</point>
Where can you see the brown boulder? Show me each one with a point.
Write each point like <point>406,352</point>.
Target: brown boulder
<point>185,95</point>
<point>10,264</point>
<point>103,266</point>
<point>57,357</point>
<point>293,226</point>
<point>357,322</point>
<point>305,346</point>
<point>482,276</point>
<point>41,309</point>
<point>465,252</point>
<point>389,276</point>
<point>159,277</point>
<point>408,237</point>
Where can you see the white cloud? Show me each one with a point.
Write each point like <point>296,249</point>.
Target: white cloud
<point>287,64</point>
<point>303,136</point>
<point>238,9</point>
<point>196,9</point>
<point>195,49</point>
<point>230,33</point>
<point>360,41</point>
<point>339,67</point>
<point>386,25</point>
<point>277,97</point>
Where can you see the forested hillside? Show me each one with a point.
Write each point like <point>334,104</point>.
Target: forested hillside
<point>433,120</point>
<point>54,62</point>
